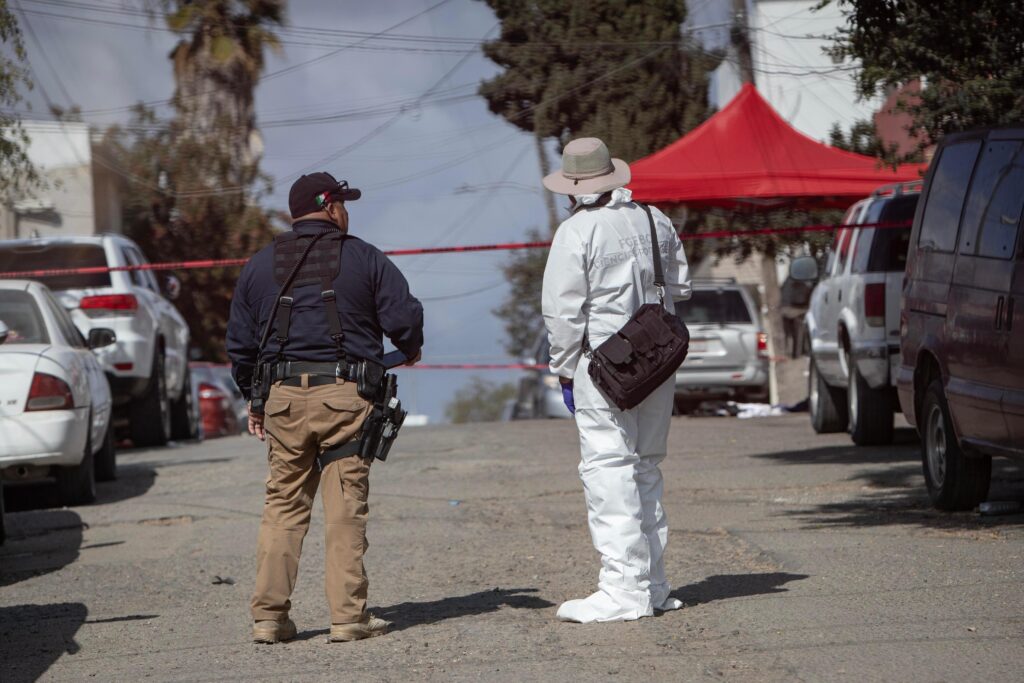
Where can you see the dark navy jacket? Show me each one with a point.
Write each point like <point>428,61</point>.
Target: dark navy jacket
<point>373,299</point>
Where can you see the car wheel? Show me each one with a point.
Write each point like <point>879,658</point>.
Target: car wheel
<point>185,412</point>
<point>870,411</point>
<point>151,414</point>
<point>827,405</point>
<point>3,529</point>
<point>684,406</point>
<point>955,481</point>
<point>106,457</point>
<point>77,485</point>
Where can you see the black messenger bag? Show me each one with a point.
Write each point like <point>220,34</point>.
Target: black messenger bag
<point>648,349</point>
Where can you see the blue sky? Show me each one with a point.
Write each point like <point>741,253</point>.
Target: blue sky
<point>428,179</point>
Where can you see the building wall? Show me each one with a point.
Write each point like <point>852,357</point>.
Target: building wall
<point>76,197</point>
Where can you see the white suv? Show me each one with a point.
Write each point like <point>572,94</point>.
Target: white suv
<point>148,366</point>
<point>853,322</point>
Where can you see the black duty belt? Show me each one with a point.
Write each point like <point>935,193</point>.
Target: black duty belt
<point>294,369</point>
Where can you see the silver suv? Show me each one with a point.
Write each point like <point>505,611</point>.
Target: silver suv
<point>728,356</point>
<point>148,365</point>
<point>853,322</point>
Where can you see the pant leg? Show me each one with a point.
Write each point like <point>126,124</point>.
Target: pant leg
<point>654,417</point>
<point>608,470</point>
<point>338,415</point>
<point>291,487</point>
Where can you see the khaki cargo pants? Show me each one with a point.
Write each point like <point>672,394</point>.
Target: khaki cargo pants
<point>302,422</point>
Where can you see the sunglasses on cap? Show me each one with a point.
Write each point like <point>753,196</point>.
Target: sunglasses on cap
<point>339,193</point>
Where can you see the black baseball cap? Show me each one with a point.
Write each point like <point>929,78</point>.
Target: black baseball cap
<point>311,193</point>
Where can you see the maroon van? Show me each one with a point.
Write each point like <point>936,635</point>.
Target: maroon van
<point>961,375</point>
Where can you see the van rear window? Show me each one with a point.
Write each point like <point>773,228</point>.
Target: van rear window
<point>888,245</point>
<point>714,306</point>
<point>45,256</point>
<point>941,219</point>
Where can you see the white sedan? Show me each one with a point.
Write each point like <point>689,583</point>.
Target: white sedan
<point>55,403</point>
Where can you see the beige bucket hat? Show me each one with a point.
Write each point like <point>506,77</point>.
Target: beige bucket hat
<point>587,168</point>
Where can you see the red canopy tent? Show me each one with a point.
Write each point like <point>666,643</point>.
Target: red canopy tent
<point>746,154</point>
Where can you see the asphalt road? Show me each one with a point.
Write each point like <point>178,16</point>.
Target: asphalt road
<point>799,558</point>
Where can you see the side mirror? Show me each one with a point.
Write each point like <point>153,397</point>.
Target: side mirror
<point>4,331</point>
<point>172,287</point>
<point>804,269</point>
<point>100,337</point>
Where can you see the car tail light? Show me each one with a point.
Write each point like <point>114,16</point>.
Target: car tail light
<point>762,345</point>
<point>49,393</point>
<point>874,304</point>
<point>115,304</point>
<point>210,391</point>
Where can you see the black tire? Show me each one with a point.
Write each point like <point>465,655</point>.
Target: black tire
<point>827,404</point>
<point>150,420</point>
<point>106,457</point>
<point>870,415</point>
<point>185,412</point>
<point>3,528</point>
<point>684,406</point>
<point>955,481</point>
<point>77,485</point>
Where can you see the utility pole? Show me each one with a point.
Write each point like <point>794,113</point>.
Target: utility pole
<point>740,38</point>
<point>771,295</point>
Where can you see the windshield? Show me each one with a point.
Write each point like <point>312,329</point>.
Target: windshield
<point>20,313</point>
<point>43,256</point>
<point>714,306</point>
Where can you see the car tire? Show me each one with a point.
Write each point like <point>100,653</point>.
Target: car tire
<point>684,406</point>
<point>3,528</point>
<point>76,485</point>
<point>870,416</point>
<point>827,404</point>
<point>151,414</point>
<point>954,480</point>
<point>106,457</point>
<point>185,413</point>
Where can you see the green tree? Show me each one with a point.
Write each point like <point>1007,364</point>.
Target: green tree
<point>967,54</point>
<point>479,401</point>
<point>620,70</point>
<point>195,180</point>
<point>17,174</point>
<point>862,138</point>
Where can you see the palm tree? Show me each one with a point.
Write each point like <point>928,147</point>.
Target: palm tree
<point>217,65</point>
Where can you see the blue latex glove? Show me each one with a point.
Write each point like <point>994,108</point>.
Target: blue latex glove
<point>567,397</point>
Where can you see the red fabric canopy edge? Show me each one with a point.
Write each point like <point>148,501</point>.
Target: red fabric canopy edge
<point>748,154</point>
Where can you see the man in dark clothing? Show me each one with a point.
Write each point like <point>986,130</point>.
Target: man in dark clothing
<point>346,296</point>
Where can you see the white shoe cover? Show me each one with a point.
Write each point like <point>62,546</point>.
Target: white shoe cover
<point>598,607</point>
<point>669,604</point>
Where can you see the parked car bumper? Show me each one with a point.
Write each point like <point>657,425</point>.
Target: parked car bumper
<point>46,437</point>
<point>876,362</point>
<point>731,383</point>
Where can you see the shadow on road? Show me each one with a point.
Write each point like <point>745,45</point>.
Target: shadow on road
<point>727,586</point>
<point>132,480</point>
<point>893,489</point>
<point>39,543</point>
<point>33,637</point>
<point>408,614</point>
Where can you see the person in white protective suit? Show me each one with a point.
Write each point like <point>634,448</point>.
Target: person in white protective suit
<point>599,272</point>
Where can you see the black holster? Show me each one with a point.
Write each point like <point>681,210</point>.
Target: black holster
<point>382,424</point>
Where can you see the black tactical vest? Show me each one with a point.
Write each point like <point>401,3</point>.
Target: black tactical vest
<point>320,265</point>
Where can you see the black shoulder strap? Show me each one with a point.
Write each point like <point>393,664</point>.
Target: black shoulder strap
<point>659,275</point>
<point>330,300</point>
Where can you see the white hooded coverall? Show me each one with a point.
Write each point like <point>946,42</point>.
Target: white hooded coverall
<point>599,272</point>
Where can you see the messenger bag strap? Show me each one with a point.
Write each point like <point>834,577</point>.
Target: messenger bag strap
<point>659,275</point>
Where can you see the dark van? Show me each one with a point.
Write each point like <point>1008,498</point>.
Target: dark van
<point>961,374</point>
